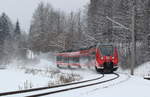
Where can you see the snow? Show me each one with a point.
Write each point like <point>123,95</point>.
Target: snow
<point>38,74</point>
<point>141,71</point>
<point>134,87</point>
<point>125,86</point>
<point>15,80</point>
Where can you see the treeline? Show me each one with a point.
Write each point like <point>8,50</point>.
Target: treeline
<point>101,21</point>
<point>11,40</point>
<point>104,21</point>
<point>54,30</point>
<point>111,21</point>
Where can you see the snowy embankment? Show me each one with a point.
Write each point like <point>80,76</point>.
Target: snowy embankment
<point>20,76</point>
<point>13,79</point>
<point>141,71</point>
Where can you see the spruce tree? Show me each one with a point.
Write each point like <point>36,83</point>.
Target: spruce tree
<point>17,31</point>
<point>4,28</point>
<point>5,37</point>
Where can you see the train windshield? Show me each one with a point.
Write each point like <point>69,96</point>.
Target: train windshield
<point>106,50</point>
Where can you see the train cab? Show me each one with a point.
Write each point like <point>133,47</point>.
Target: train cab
<point>106,58</point>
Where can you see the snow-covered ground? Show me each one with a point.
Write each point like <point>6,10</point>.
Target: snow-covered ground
<point>12,79</point>
<point>141,71</point>
<point>18,76</point>
<point>40,74</point>
<point>122,87</point>
<point>125,86</point>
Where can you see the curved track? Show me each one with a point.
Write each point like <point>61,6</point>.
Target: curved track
<point>76,87</point>
<point>44,88</point>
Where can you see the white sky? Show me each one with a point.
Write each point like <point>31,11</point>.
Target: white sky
<point>23,9</point>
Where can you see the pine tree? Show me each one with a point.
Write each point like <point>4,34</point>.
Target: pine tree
<point>16,40</point>
<point>4,28</point>
<point>17,31</point>
<point>5,36</point>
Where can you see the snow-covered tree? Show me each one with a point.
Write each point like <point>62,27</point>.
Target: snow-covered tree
<point>5,36</point>
<point>46,25</point>
<point>17,32</point>
<point>4,28</point>
<point>16,41</point>
<point>52,29</point>
<point>39,27</point>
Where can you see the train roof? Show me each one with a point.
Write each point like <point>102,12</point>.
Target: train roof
<point>80,51</point>
<point>76,53</point>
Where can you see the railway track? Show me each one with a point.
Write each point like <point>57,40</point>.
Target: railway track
<point>35,92</point>
<point>76,87</point>
<point>44,88</point>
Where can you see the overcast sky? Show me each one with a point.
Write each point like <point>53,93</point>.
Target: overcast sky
<point>23,9</point>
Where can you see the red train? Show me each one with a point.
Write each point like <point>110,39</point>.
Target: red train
<point>103,57</point>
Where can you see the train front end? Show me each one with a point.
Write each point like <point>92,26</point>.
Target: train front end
<point>106,58</point>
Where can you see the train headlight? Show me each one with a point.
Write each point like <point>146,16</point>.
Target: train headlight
<point>113,57</point>
<point>102,58</point>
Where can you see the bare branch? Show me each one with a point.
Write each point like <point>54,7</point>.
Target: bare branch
<point>121,25</point>
<point>56,45</point>
<point>89,36</point>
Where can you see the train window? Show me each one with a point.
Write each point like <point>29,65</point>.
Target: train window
<point>70,59</point>
<point>59,58</point>
<point>106,50</point>
<point>76,59</point>
<point>93,53</point>
<point>65,59</point>
<point>73,59</point>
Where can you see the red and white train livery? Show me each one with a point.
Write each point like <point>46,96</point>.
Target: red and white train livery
<point>105,58</point>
